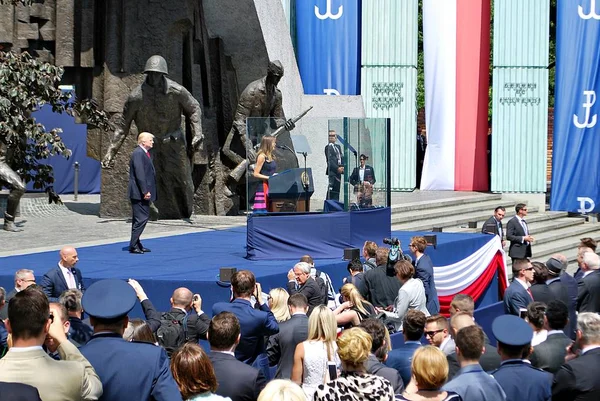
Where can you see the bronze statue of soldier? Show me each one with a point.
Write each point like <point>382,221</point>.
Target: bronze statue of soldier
<point>10,179</point>
<point>156,106</point>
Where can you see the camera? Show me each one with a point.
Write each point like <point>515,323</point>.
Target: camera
<point>391,241</point>
<point>195,298</point>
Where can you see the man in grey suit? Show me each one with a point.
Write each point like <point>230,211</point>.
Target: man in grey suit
<point>588,294</point>
<point>550,354</point>
<point>281,346</point>
<point>438,335</point>
<point>30,321</point>
<point>493,225</point>
<point>517,232</point>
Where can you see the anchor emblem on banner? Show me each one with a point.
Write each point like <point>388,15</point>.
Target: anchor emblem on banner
<point>330,91</point>
<point>591,14</point>
<point>590,100</point>
<point>329,15</point>
<point>586,204</point>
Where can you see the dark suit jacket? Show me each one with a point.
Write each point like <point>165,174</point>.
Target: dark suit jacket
<point>310,289</point>
<point>375,367</point>
<point>255,324</point>
<point>130,371</point>
<point>236,380</point>
<point>424,272</point>
<point>588,295</point>
<point>515,233</point>
<point>381,289</point>
<point>541,293</point>
<point>3,337</point>
<point>142,178</point>
<point>560,292</point>
<point>491,227</point>
<point>400,359</point>
<point>197,326</point>
<point>568,281</point>
<point>516,297</point>
<point>550,354</point>
<point>359,282</point>
<point>54,283</point>
<point>489,360</point>
<point>577,380</point>
<point>80,331</point>
<point>18,392</point>
<point>332,161</point>
<point>369,176</point>
<point>4,309</point>
<point>281,346</point>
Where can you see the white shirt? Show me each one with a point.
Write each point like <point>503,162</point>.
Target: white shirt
<point>523,283</point>
<point>584,350</point>
<point>524,225</point>
<point>587,273</point>
<point>539,337</point>
<point>25,349</point>
<point>69,276</point>
<point>443,344</point>
<point>361,174</point>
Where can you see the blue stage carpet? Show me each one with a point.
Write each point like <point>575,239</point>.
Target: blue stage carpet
<point>193,261</point>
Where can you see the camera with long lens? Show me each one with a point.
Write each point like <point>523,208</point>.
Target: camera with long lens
<point>391,241</point>
<point>395,255</point>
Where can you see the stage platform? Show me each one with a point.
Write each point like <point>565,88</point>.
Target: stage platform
<point>193,260</point>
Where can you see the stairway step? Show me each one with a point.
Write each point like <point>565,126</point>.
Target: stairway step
<point>572,231</point>
<point>536,222</point>
<point>467,209</point>
<point>444,203</point>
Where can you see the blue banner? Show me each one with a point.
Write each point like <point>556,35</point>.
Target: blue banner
<point>328,46</point>
<point>576,142</point>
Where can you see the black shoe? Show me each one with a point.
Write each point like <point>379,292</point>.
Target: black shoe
<point>145,250</point>
<point>135,250</point>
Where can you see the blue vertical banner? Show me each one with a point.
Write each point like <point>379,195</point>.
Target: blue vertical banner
<point>328,46</point>
<point>576,142</point>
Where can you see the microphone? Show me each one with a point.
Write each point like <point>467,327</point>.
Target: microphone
<point>285,147</point>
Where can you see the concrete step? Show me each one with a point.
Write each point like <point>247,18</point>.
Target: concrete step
<point>467,209</point>
<point>446,218</point>
<point>562,232</point>
<point>536,221</point>
<point>444,203</point>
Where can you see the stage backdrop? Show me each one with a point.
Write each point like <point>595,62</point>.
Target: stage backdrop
<point>456,42</point>
<point>575,158</point>
<point>328,43</point>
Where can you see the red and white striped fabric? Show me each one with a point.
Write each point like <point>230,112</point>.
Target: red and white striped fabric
<point>456,45</point>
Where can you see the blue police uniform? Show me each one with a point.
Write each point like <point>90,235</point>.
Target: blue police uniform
<point>129,371</point>
<point>517,377</point>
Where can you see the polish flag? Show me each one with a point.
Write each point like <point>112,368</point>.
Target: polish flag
<point>456,39</point>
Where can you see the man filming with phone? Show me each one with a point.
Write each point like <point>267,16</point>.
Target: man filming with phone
<point>179,325</point>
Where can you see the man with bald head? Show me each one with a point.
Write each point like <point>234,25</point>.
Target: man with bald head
<point>489,360</point>
<point>63,277</point>
<point>194,326</point>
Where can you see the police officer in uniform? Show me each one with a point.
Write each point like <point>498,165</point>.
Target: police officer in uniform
<point>517,377</point>
<point>129,371</point>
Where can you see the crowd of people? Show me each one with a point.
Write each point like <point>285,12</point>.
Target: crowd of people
<point>62,341</point>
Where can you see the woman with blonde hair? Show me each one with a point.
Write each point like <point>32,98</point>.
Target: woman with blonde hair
<point>264,168</point>
<point>282,390</point>
<point>429,369</point>
<point>354,309</point>
<point>313,356</point>
<point>278,302</point>
<point>354,383</point>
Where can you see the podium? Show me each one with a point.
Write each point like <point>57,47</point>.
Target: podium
<point>287,190</point>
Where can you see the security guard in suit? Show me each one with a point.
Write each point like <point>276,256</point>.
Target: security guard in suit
<point>129,371</point>
<point>517,377</point>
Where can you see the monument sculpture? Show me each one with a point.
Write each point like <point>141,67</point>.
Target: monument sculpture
<point>156,106</point>
<point>10,179</point>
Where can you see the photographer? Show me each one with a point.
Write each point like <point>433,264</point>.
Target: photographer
<point>256,324</point>
<point>381,288</point>
<point>179,325</point>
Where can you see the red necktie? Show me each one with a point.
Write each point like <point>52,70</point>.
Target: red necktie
<point>530,294</point>
<point>148,154</point>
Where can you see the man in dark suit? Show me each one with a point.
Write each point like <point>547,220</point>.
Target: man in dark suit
<point>380,289</point>
<point>63,277</point>
<point>132,371</point>
<point>18,392</point>
<point>236,380</point>
<point>281,346</point>
<point>335,167</point>
<point>400,358</point>
<point>357,275</point>
<point>300,281</point>
<point>424,272</point>
<point>256,324</point>
<point>363,179</point>
<point>550,354</point>
<point>564,288</point>
<point>577,379</point>
<point>493,225</point>
<point>141,189</point>
<point>588,296</point>
<point>182,302</point>
<point>23,279</point>
<point>517,232</point>
<point>518,295</point>
<point>379,354</point>
<point>518,379</point>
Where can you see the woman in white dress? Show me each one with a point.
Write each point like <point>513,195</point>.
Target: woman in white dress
<point>314,355</point>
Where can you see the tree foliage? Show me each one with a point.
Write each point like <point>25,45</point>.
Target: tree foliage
<point>26,85</point>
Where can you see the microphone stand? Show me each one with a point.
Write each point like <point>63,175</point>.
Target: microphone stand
<point>305,185</point>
